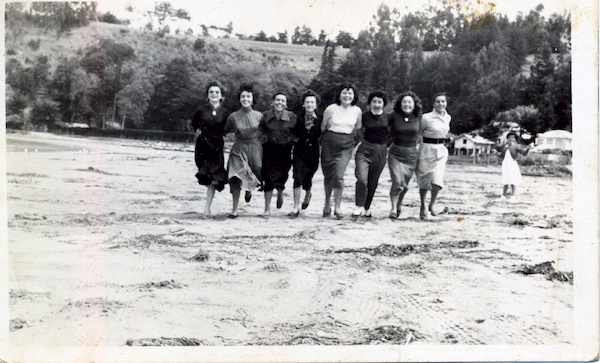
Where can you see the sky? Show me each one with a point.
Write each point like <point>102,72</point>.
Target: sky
<point>272,16</point>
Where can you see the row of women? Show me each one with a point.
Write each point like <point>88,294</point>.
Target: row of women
<point>269,144</point>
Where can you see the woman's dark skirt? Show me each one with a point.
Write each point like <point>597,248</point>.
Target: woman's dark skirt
<point>210,161</point>
<point>305,165</point>
<point>402,161</point>
<point>277,161</point>
<point>336,153</point>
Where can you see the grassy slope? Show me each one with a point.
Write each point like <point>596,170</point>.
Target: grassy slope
<point>305,59</point>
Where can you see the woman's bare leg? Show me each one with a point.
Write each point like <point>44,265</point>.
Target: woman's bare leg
<point>210,194</point>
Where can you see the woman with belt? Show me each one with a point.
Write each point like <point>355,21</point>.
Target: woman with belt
<point>402,158</point>
<point>371,155</point>
<point>277,151</point>
<point>245,159</point>
<point>306,150</point>
<point>208,123</point>
<point>341,120</point>
<point>433,154</point>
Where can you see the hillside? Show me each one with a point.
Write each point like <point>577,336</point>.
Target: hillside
<point>305,59</point>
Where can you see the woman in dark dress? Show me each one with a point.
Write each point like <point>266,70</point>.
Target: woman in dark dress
<point>277,151</point>
<point>306,150</point>
<point>208,123</point>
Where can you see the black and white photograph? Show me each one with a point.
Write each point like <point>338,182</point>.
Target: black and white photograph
<point>300,181</point>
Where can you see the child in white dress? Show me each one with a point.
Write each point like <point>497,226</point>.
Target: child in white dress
<point>511,174</point>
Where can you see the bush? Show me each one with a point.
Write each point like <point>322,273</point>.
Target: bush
<point>44,113</point>
<point>109,18</point>
<point>199,44</point>
<point>16,103</point>
<point>34,44</point>
<point>15,122</point>
<point>11,52</point>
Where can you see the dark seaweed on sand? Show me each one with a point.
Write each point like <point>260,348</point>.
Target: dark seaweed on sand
<point>546,268</point>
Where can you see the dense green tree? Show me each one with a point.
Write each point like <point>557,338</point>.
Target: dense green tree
<point>261,37</point>
<point>561,87</point>
<point>62,16</point>
<point>538,89</point>
<point>357,65</point>
<point>344,39</point>
<point>16,102</point>
<point>133,99</point>
<point>106,60</point>
<point>174,98</point>
<point>282,37</point>
<point>28,80</point>
<point>383,53</point>
<point>164,10</point>
<point>321,39</point>
<point>44,114</point>
<point>303,35</point>
<point>62,86</point>
<point>327,60</point>
<point>527,116</point>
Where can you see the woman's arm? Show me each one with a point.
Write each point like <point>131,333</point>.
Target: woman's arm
<point>229,125</point>
<point>327,115</point>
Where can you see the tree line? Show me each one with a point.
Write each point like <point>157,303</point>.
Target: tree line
<point>494,70</point>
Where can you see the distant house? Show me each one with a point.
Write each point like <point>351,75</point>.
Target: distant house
<point>466,144</point>
<point>554,139</point>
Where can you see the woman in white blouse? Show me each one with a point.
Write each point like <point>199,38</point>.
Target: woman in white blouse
<point>341,120</point>
<point>433,154</point>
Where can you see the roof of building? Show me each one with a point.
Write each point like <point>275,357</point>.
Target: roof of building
<point>476,139</point>
<point>556,134</point>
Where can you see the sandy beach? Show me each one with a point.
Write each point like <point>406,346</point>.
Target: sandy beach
<point>108,247</point>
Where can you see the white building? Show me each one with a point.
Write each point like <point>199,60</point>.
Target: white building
<point>554,139</point>
<point>466,144</point>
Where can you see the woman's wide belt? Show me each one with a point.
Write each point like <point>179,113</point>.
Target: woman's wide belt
<point>428,140</point>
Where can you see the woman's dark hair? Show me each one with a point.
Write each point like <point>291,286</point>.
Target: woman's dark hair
<point>279,93</point>
<point>416,99</point>
<point>214,84</point>
<point>512,133</point>
<point>343,86</point>
<point>378,94</point>
<point>310,93</point>
<point>440,94</point>
<point>248,87</point>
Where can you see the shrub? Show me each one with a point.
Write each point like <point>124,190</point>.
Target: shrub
<point>11,52</point>
<point>34,44</point>
<point>109,18</point>
<point>44,113</point>
<point>528,161</point>
<point>199,44</point>
<point>15,122</point>
<point>16,103</point>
